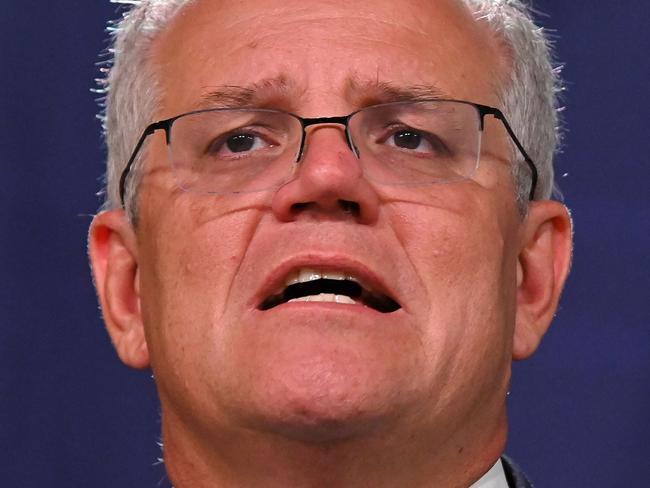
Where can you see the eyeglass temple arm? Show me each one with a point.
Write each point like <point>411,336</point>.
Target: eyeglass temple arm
<point>127,169</point>
<point>533,169</point>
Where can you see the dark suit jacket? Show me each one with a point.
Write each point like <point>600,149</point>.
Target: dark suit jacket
<point>515,477</point>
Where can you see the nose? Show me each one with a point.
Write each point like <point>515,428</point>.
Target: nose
<point>328,183</point>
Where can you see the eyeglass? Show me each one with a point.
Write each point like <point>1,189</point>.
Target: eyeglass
<point>225,151</point>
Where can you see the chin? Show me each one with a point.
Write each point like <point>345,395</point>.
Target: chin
<point>320,419</point>
<point>322,398</point>
<point>324,434</point>
<point>322,381</point>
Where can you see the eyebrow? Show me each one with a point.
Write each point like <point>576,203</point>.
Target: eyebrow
<point>277,92</point>
<point>364,93</point>
<point>281,92</point>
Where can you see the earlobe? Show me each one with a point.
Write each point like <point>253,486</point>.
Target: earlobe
<point>543,265</point>
<point>113,258</point>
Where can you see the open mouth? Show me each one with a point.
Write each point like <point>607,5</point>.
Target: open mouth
<point>308,285</point>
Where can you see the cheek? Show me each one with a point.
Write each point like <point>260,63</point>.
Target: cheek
<point>465,262</point>
<point>187,272</point>
<point>192,252</point>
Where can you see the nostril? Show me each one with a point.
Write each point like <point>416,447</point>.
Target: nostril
<point>299,207</point>
<point>347,206</point>
<point>350,207</point>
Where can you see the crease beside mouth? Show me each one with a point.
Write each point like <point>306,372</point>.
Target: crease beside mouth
<point>352,289</point>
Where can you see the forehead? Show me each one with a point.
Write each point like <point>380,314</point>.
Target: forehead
<point>326,56</point>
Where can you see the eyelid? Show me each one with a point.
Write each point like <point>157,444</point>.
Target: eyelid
<point>259,130</point>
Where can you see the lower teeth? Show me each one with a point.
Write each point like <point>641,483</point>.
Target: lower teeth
<point>325,297</point>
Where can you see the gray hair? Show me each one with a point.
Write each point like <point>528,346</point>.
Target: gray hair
<point>528,97</point>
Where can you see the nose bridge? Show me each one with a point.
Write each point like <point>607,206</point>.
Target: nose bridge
<point>311,125</point>
<point>326,158</point>
<point>328,180</point>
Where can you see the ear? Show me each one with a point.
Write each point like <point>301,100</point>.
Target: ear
<point>542,267</point>
<point>114,261</point>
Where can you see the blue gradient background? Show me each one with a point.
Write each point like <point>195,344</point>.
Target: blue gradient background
<point>72,415</point>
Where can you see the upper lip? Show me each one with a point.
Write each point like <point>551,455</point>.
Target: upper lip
<point>274,282</point>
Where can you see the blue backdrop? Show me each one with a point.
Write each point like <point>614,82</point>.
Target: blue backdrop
<point>72,415</point>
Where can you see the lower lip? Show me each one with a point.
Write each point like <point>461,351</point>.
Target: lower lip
<point>328,308</point>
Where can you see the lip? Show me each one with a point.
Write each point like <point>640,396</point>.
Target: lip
<point>275,280</point>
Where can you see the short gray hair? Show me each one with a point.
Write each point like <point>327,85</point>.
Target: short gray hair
<point>528,97</point>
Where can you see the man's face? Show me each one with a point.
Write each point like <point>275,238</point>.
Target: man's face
<point>446,253</point>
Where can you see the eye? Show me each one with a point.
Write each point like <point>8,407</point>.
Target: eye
<point>408,139</point>
<point>241,143</point>
<point>414,140</point>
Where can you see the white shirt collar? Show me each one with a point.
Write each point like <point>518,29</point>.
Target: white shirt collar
<point>495,478</point>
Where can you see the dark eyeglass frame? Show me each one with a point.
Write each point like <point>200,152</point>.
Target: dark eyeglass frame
<point>483,111</point>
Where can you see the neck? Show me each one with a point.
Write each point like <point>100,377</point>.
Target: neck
<point>416,458</point>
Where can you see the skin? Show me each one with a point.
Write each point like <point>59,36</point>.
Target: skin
<point>314,394</point>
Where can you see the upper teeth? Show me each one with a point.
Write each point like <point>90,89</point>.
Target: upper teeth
<point>304,275</point>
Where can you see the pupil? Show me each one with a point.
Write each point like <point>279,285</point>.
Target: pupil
<point>240,142</point>
<point>407,139</point>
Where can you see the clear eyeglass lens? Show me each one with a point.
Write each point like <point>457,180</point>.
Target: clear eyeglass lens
<point>417,143</point>
<point>226,151</point>
<point>232,151</point>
